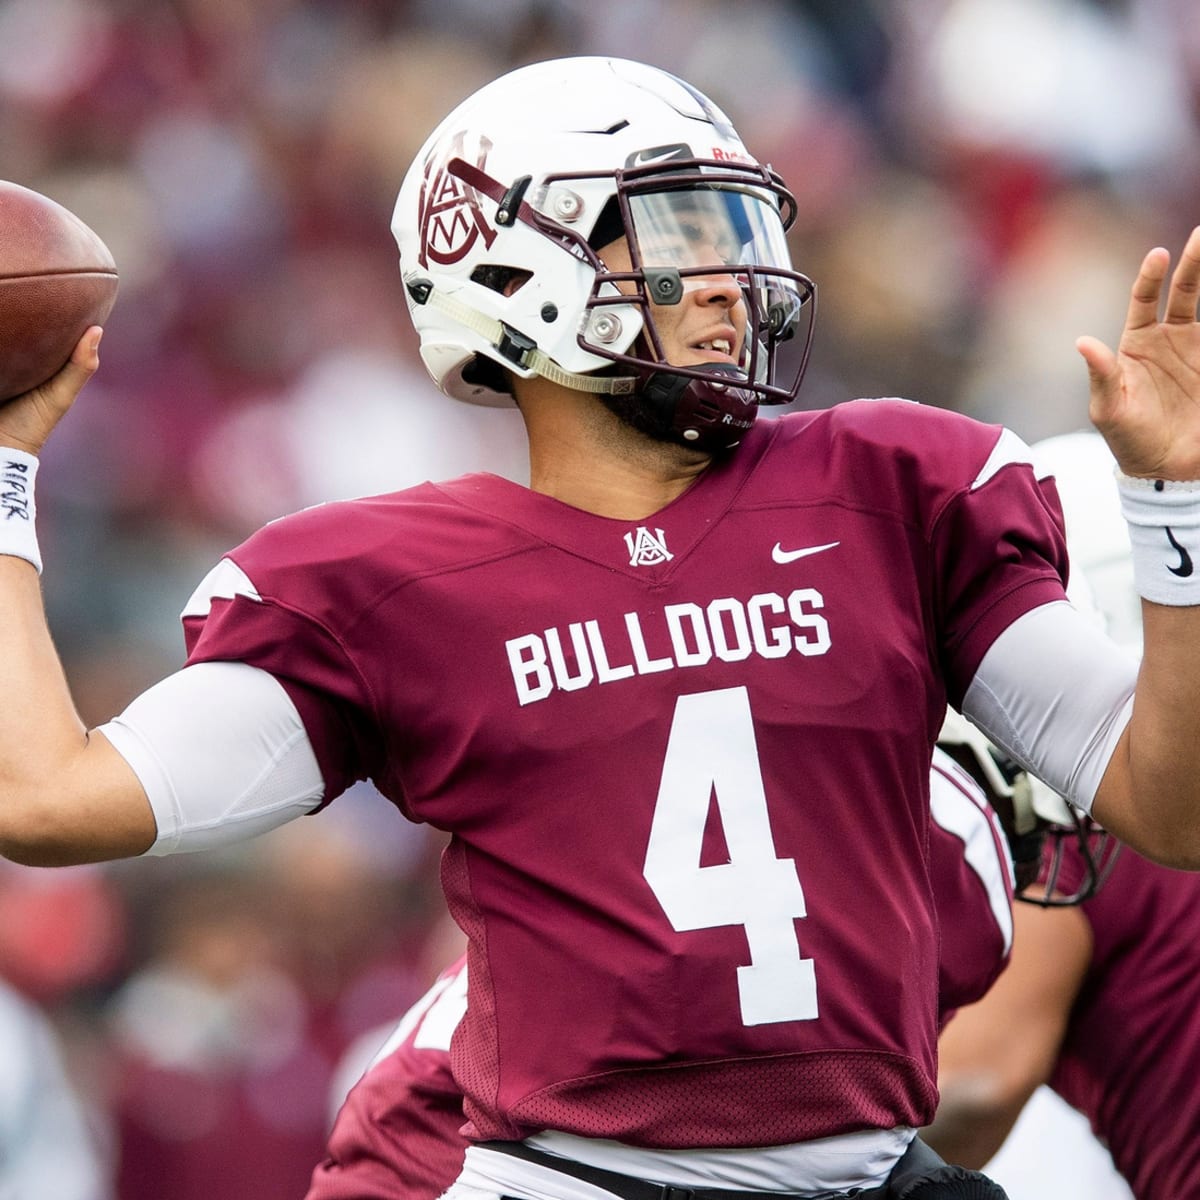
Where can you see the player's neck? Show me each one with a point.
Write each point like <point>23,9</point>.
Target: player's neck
<point>583,455</point>
<point>621,489</point>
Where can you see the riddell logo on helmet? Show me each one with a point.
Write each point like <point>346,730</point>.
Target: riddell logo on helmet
<point>449,211</point>
<point>736,156</point>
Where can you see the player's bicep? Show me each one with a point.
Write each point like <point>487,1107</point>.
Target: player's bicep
<point>221,753</point>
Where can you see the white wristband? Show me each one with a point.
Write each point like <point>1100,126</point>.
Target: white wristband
<point>18,536</point>
<point>1164,532</point>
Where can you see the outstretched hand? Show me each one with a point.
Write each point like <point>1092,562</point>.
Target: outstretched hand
<point>1145,398</point>
<point>27,421</point>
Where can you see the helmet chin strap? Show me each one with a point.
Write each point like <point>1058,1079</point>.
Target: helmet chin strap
<point>515,347</point>
<point>706,414</point>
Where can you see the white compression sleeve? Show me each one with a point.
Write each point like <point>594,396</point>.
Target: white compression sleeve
<point>1056,693</point>
<point>222,753</point>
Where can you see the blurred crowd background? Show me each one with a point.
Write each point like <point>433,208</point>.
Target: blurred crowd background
<point>978,180</point>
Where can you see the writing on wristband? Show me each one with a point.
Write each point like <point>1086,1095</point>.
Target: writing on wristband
<point>18,532</point>
<point>1164,534</point>
<point>16,498</point>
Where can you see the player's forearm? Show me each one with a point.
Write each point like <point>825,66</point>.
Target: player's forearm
<point>972,1122</point>
<point>62,798</point>
<point>39,727</point>
<point>993,1054</point>
<point>1150,792</point>
<point>1150,795</point>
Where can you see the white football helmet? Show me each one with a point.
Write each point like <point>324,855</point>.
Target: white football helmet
<point>1009,790</point>
<point>502,213</point>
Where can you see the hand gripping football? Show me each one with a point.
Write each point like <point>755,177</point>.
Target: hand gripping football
<point>56,278</point>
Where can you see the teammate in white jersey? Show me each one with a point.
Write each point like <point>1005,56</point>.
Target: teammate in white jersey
<point>674,702</point>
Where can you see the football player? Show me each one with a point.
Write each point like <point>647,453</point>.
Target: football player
<point>675,701</point>
<point>1100,1000</point>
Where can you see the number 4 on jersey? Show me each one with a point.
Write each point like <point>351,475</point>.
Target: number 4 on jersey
<point>712,751</point>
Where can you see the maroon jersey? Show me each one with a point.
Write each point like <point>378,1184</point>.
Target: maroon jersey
<point>684,761</point>
<point>398,1136</point>
<point>1131,1057</point>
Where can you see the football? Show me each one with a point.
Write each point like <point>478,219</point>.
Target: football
<point>56,278</point>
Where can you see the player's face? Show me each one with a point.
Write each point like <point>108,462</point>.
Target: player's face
<point>708,325</point>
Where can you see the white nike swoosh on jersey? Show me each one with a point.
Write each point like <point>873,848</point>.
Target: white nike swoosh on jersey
<point>780,555</point>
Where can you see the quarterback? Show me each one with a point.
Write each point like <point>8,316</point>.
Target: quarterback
<point>675,701</point>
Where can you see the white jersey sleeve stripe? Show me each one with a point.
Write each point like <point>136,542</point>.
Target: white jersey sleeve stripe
<point>959,807</point>
<point>223,582</point>
<point>1052,682</point>
<point>438,1013</point>
<point>443,1016</point>
<point>1009,449</point>
<point>222,754</point>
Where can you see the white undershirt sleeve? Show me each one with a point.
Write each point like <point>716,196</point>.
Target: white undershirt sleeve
<point>1055,692</point>
<point>222,753</point>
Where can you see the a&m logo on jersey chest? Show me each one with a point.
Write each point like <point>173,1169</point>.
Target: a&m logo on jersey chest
<point>452,220</point>
<point>647,549</point>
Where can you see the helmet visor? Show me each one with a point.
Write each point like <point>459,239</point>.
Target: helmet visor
<point>699,230</point>
<point>709,227</point>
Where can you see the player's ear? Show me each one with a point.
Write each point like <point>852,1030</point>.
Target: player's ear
<point>515,281</point>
